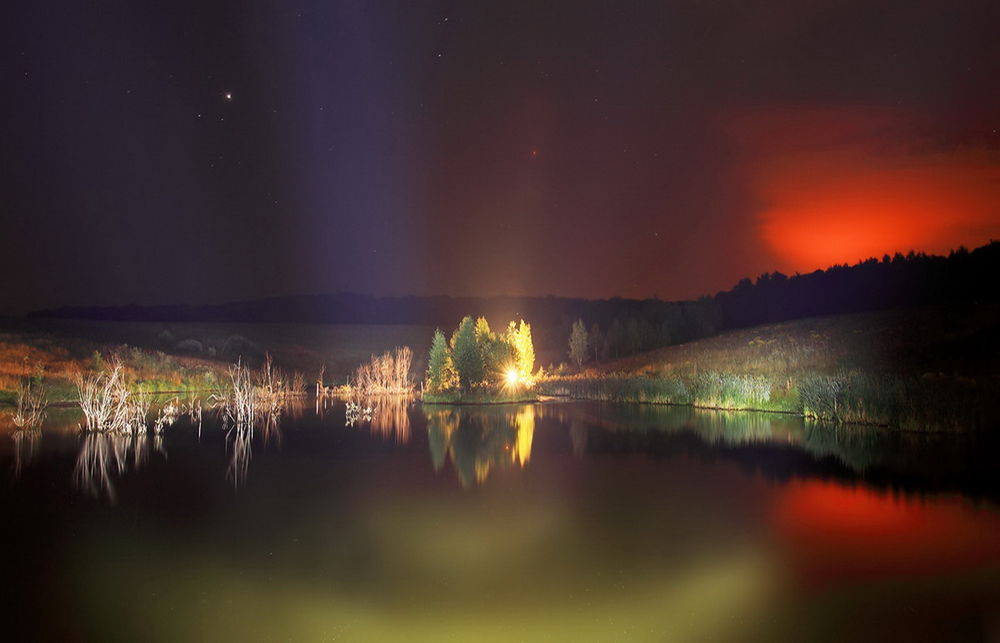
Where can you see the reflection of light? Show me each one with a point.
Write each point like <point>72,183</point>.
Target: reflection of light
<point>511,376</point>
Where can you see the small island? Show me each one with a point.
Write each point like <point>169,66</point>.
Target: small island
<point>479,366</point>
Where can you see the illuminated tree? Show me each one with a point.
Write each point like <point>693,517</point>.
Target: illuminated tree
<point>519,337</point>
<point>496,351</point>
<point>441,373</point>
<point>465,353</point>
<point>578,343</point>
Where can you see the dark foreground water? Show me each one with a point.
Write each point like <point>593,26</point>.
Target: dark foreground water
<point>563,521</point>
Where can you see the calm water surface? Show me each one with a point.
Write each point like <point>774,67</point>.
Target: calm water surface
<point>562,521</point>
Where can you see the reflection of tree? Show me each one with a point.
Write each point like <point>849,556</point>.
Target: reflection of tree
<point>240,436</point>
<point>441,424</point>
<point>270,428</point>
<point>387,416</point>
<point>25,448</point>
<point>390,418</point>
<point>239,443</point>
<point>481,440</point>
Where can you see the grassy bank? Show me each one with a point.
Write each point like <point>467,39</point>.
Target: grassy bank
<point>926,370</point>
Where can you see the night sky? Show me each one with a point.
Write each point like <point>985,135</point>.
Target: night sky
<point>167,152</point>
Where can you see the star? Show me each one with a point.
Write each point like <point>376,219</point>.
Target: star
<point>228,96</point>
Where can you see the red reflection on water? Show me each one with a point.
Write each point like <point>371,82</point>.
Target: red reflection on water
<point>842,534</point>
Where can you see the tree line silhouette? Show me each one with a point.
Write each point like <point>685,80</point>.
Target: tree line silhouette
<point>619,326</point>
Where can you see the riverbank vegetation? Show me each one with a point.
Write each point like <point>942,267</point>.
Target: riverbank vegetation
<point>385,374</point>
<point>927,369</point>
<point>48,365</point>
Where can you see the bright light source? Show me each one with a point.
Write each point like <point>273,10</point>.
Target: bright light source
<point>511,376</point>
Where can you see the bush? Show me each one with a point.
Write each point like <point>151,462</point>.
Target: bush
<point>237,346</point>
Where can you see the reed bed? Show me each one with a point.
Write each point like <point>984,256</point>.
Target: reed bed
<point>385,374</point>
<point>110,401</point>
<point>251,395</point>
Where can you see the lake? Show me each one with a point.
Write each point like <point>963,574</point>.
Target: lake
<point>557,521</point>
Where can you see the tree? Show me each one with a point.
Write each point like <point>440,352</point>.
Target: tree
<point>578,343</point>
<point>483,333</point>
<point>441,373</point>
<point>615,338</point>
<point>519,336</point>
<point>465,353</point>
<point>597,344</point>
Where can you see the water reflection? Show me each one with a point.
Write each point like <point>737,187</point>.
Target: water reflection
<point>240,437</point>
<point>239,443</point>
<point>387,416</point>
<point>391,419</point>
<point>25,449</point>
<point>844,533</point>
<point>758,440</point>
<point>481,440</point>
<point>605,522</point>
<point>477,441</point>
<point>102,454</point>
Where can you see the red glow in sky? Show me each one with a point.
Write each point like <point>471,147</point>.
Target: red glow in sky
<point>839,186</point>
